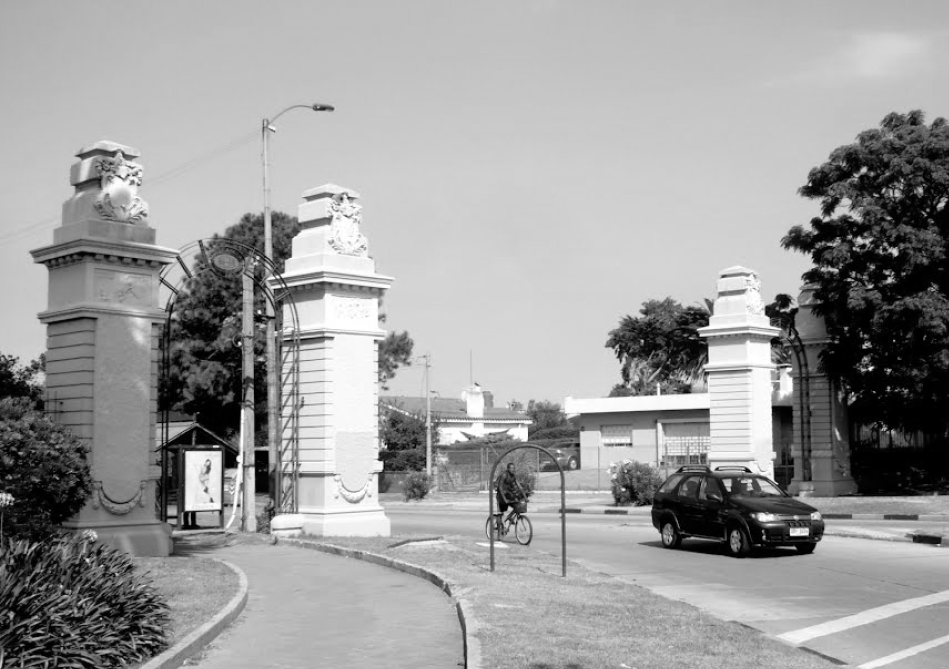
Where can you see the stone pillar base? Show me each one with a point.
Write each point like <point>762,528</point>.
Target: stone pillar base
<point>369,523</point>
<point>141,539</point>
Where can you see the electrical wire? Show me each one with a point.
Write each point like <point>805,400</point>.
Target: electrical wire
<point>178,170</point>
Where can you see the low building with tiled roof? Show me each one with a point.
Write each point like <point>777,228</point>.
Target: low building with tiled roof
<point>459,420</point>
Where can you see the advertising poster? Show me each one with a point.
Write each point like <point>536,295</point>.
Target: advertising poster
<point>204,480</point>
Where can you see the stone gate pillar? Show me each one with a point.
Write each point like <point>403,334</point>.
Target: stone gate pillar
<point>739,374</point>
<point>821,446</point>
<point>103,324</point>
<point>336,291</point>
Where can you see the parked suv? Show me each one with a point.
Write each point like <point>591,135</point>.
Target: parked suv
<point>733,505</point>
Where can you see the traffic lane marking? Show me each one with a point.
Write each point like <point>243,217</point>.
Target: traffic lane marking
<point>887,636</point>
<point>905,654</point>
<point>866,617</point>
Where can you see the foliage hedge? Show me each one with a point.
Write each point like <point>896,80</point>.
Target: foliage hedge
<point>66,601</point>
<point>416,486</point>
<point>44,466</point>
<point>634,482</point>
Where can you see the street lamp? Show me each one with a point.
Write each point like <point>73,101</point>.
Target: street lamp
<point>273,419</point>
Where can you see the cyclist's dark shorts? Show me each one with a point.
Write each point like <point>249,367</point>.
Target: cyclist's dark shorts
<point>502,505</point>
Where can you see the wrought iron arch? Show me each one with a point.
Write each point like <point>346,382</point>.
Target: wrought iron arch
<point>563,500</point>
<point>226,257</point>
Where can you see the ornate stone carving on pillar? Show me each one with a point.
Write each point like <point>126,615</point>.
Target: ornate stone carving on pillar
<point>821,425</point>
<point>739,374</point>
<point>336,291</point>
<point>103,323</point>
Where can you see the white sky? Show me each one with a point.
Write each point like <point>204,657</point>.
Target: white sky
<point>530,171</point>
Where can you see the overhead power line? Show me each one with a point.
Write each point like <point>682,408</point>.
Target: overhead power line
<point>178,170</point>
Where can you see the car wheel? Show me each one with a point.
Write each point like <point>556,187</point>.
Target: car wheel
<point>738,543</point>
<point>670,534</point>
<point>805,549</point>
<point>572,463</point>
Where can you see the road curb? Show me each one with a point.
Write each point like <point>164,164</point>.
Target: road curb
<point>932,518</point>
<point>176,655</point>
<point>469,626</point>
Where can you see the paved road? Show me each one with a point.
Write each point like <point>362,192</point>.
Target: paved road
<point>858,600</point>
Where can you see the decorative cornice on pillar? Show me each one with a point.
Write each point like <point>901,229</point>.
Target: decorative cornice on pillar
<point>96,310</point>
<point>330,333</point>
<point>81,250</point>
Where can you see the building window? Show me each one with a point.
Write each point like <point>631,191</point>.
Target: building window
<point>616,435</point>
<point>684,443</point>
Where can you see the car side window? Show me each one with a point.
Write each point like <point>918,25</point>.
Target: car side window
<point>670,483</point>
<point>710,486</point>
<point>689,487</point>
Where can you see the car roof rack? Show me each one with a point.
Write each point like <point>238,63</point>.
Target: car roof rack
<point>733,468</point>
<point>693,468</point>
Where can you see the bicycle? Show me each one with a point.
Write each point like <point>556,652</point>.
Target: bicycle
<point>501,525</point>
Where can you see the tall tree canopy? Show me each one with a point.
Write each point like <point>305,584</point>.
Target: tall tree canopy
<point>206,358</point>
<point>18,380</point>
<point>660,348</point>
<point>881,272</point>
<point>544,415</point>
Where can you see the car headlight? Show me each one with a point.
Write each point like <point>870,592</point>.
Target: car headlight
<point>816,516</point>
<point>763,517</point>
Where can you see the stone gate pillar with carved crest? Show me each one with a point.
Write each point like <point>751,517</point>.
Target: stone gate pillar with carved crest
<point>336,291</point>
<point>102,323</point>
<point>739,374</point>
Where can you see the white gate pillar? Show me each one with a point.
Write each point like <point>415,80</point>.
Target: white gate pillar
<point>336,291</point>
<point>739,374</point>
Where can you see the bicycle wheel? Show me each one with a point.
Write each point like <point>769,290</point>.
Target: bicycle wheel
<point>491,526</point>
<point>523,530</point>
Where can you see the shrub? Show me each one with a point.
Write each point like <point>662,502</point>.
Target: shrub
<point>416,486</point>
<point>634,482</point>
<point>71,603</point>
<point>44,466</point>
<point>527,478</point>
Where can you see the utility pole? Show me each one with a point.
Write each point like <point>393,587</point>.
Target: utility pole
<point>428,421</point>
<point>248,504</point>
<point>271,351</point>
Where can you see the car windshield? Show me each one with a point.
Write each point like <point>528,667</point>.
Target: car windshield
<point>751,486</point>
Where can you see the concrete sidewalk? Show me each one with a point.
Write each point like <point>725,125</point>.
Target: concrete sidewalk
<point>307,610</point>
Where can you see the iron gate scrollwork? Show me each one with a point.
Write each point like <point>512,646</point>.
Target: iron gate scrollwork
<point>226,257</point>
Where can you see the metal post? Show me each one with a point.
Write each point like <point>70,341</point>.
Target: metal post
<point>249,507</point>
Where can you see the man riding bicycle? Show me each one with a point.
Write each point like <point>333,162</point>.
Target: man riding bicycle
<point>509,490</point>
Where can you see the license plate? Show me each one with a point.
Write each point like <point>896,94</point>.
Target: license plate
<point>799,531</point>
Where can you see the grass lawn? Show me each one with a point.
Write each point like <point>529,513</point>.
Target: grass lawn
<point>196,589</point>
<point>530,617</point>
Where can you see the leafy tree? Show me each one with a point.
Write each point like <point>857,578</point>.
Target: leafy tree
<point>881,273</point>
<point>394,351</point>
<point>206,370</point>
<point>660,348</point>
<point>403,438</point>
<point>43,465</point>
<point>17,380</point>
<point>544,415</point>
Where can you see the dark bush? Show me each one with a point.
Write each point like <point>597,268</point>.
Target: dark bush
<point>44,466</point>
<point>634,482</point>
<point>409,460</point>
<point>68,602</point>
<point>416,486</point>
